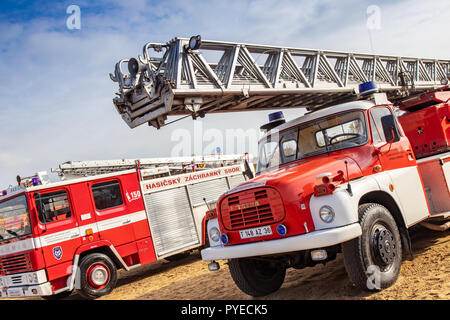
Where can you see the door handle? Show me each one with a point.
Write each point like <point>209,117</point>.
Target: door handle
<point>127,221</point>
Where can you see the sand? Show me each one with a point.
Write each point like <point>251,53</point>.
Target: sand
<point>426,276</point>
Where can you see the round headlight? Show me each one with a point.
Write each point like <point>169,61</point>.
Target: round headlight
<point>326,214</point>
<point>214,234</point>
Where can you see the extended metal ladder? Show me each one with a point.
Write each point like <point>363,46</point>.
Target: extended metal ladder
<point>154,167</point>
<point>195,77</point>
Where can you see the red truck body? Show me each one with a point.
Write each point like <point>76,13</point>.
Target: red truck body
<point>343,178</point>
<point>52,245</point>
<point>427,124</point>
<point>80,232</point>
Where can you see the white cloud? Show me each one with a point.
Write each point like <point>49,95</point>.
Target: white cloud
<point>57,95</point>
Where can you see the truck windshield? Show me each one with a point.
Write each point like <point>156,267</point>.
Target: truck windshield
<point>324,135</point>
<point>14,218</point>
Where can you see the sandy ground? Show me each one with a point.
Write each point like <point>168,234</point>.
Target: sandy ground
<point>427,276</point>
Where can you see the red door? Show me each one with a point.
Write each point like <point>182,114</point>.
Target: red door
<point>395,154</point>
<point>113,215</point>
<point>59,233</point>
<point>84,212</point>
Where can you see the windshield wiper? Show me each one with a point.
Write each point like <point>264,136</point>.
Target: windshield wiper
<point>15,234</point>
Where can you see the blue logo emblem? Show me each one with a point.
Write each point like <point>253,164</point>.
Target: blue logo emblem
<point>57,252</point>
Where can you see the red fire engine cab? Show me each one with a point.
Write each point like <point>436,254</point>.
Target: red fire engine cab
<point>56,237</point>
<point>344,178</point>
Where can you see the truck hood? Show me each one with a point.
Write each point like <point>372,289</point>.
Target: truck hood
<point>300,176</point>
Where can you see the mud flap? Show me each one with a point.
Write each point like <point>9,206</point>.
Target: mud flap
<point>406,242</point>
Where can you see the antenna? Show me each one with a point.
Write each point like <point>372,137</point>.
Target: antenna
<point>207,204</point>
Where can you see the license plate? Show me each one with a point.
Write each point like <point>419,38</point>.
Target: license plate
<point>255,232</point>
<point>15,292</point>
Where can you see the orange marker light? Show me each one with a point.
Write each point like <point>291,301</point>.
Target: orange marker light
<point>211,214</point>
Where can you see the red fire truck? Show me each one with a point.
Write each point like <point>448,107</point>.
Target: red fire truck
<point>344,178</point>
<point>347,176</point>
<point>74,234</point>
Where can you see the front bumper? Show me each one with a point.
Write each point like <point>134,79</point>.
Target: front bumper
<point>44,289</point>
<point>28,284</point>
<point>312,240</point>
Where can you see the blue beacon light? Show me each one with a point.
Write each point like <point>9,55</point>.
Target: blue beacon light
<point>367,88</point>
<point>224,238</point>
<point>275,119</point>
<point>276,116</point>
<point>282,230</point>
<point>35,181</point>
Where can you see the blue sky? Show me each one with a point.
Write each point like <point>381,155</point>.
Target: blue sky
<point>56,95</point>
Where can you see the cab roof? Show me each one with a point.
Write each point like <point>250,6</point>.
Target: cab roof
<point>353,105</point>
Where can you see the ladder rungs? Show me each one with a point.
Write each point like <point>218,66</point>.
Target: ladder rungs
<point>227,76</point>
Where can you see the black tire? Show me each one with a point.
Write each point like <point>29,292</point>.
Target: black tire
<point>58,296</point>
<point>177,257</point>
<point>373,260</point>
<point>102,265</point>
<point>257,277</point>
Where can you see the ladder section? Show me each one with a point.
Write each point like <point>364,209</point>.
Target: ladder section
<point>195,77</point>
<point>150,167</point>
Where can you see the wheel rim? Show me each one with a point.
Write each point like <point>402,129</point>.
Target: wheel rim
<point>384,247</point>
<point>98,276</point>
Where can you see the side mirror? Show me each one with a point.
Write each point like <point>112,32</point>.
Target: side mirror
<point>39,208</point>
<point>390,129</point>
<point>248,171</point>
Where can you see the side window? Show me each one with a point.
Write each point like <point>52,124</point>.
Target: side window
<point>107,195</point>
<point>375,134</point>
<point>53,206</point>
<point>289,148</point>
<point>385,123</point>
<point>288,145</point>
